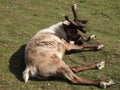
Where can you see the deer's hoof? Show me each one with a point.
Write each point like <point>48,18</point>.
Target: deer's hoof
<point>92,37</point>
<point>100,46</point>
<point>107,84</point>
<point>101,65</point>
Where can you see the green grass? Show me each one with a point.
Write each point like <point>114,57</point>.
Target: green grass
<point>21,19</point>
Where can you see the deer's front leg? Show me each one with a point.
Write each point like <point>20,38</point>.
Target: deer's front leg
<point>88,38</point>
<point>79,47</point>
<point>84,39</point>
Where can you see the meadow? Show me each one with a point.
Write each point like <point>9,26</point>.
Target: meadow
<point>21,19</point>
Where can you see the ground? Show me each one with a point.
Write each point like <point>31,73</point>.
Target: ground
<point>21,19</point>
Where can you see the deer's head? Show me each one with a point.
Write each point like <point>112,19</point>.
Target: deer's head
<point>75,26</point>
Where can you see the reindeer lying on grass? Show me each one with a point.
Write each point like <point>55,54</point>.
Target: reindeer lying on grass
<point>44,52</point>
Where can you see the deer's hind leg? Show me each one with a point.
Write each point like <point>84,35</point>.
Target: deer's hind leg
<point>68,74</point>
<point>98,65</point>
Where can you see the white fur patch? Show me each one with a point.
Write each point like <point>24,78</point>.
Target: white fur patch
<point>29,71</point>
<point>32,71</point>
<point>72,42</point>
<point>105,84</point>
<point>66,22</point>
<point>60,55</point>
<point>56,29</point>
<point>92,37</point>
<point>26,75</point>
<point>101,65</point>
<point>100,46</point>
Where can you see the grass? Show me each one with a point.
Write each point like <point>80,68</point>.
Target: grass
<point>21,19</point>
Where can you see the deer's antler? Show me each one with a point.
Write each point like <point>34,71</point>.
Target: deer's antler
<point>68,19</point>
<point>74,8</point>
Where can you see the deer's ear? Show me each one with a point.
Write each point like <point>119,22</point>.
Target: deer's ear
<point>83,21</point>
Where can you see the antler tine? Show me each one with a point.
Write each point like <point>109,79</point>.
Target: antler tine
<point>74,8</point>
<point>67,18</point>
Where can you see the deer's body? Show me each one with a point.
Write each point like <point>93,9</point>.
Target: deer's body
<point>44,52</point>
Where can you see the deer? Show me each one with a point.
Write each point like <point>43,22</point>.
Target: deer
<point>45,50</point>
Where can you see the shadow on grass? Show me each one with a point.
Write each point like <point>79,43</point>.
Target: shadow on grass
<point>16,63</point>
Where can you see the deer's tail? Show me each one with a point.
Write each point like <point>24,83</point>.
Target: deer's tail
<point>26,74</point>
